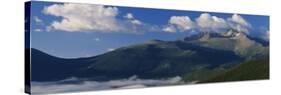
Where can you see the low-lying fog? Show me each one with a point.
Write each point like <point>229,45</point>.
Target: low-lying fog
<point>132,82</point>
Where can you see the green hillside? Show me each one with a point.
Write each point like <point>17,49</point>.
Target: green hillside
<point>194,59</point>
<point>251,70</point>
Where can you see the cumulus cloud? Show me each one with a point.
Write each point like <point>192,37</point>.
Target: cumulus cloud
<point>239,23</point>
<point>84,17</point>
<point>239,20</point>
<point>206,22</point>
<point>181,23</point>
<point>129,16</point>
<point>136,22</point>
<point>169,29</point>
<point>101,18</point>
<point>132,19</point>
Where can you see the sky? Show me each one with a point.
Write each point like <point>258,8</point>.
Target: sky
<point>71,30</point>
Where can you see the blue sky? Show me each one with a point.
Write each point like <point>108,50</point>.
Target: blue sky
<point>82,30</point>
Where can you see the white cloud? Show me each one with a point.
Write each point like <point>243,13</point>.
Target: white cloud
<point>132,19</point>
<point>169,29</point>
<point>239,23</point>
<point>37,19</point>
<point>219,22</point>
<point>206,22</point>
<point>136,22</point>
<point>101,18</point>
<point>129,16</point>
<point>131,82</point>
<point>84,17</point>
<point>181,22</point>
<point>239,20</point>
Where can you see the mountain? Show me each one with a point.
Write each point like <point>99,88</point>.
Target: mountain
<point>251,70</point>
<point>45,67</point>
<point>195,58</point>
<point>159,60</point>
<point>239,42</point>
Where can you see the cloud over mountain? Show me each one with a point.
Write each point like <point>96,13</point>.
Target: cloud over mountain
<point>206,22</point>
<point>181,23</point>
<point>239,23</point>
<point>100,18</point>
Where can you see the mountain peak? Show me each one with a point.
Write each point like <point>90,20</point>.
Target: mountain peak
<point>203,36</point>
<point>234,34</point>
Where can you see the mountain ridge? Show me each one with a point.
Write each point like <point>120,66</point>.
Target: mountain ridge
<point>153,59</point>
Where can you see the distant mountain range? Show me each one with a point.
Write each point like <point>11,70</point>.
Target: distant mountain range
<point>197,57</point>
